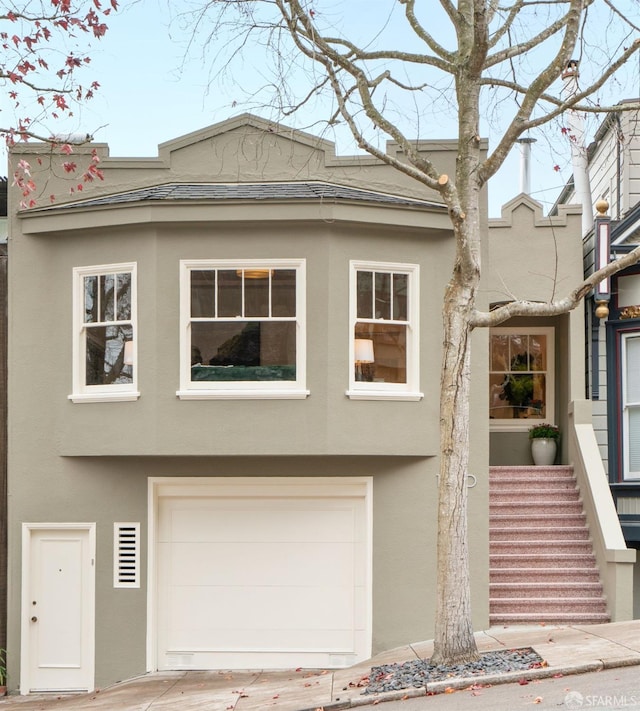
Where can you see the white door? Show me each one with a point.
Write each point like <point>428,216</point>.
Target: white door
<point>631,406</point>
<point>58,607</point>
<point>265,577</point>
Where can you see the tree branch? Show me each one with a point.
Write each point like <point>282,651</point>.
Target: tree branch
<point>556,307</point>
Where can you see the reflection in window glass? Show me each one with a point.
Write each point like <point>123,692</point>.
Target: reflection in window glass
<point>203,292</point>
<point>364,293</point>
<point>252,335</point>
<point>518,376</point>
<point>107,326</point>
<point>105,355</point>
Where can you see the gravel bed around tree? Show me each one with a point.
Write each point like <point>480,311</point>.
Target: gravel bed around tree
<point>419,672</point>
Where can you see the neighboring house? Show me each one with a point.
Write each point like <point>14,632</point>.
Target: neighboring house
<point>613,342</point>
<point>224,424</point>
<point>3,413</point>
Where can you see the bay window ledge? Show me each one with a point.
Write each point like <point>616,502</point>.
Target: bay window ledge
<point>384,395</point>
<point>256,394</point>
<point>104,397</point>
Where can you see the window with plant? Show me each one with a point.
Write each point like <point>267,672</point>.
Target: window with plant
<point>520,376</point>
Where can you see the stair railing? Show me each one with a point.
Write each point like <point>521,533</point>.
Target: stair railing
<point>614,559</point>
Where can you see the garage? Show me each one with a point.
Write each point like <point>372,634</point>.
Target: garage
<point>260,573</point>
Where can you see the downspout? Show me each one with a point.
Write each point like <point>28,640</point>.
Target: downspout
<point>578,149</point>
<point>618,167</point>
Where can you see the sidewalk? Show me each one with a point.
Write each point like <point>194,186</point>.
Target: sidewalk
<point>567,650</point>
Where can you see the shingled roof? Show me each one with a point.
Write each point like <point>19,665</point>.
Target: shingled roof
<point>327,192</point>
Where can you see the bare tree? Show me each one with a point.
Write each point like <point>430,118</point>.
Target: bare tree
<point>485,57</point>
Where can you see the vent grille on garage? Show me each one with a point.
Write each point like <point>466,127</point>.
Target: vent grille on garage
<point>126,555</point>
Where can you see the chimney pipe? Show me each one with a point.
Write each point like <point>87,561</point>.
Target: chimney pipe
<point>578,149</point>
<point>525,164</point>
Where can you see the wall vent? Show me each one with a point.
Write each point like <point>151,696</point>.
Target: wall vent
<point>126,555</point>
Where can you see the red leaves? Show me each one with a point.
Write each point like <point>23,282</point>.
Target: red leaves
<point>362,681</point>
<point>60,101</point>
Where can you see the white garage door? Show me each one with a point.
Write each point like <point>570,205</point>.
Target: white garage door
<point>269,573</point>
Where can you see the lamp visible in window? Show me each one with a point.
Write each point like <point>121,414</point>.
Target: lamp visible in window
<point>254,273</point>
<point>128,353</point>
<point>363,357</point>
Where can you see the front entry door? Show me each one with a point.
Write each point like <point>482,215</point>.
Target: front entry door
<point>58,607</point>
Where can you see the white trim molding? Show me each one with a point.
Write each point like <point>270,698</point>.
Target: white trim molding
<point>216,311</point>
<point>125,353</point>
<point>385,321</point>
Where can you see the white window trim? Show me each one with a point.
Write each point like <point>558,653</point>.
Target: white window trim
<point>523,424</point>
<point>627,474</point>
<point>116,392</point>
<point>265,390</point>
<point>408,391</point>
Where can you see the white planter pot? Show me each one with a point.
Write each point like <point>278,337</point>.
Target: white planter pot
<point>543,451</point>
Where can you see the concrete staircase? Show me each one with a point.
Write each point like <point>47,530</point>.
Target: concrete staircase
<point>542,566</point>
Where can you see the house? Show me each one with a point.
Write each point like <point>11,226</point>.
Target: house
<point>613,341</point>
<point>223,398</point>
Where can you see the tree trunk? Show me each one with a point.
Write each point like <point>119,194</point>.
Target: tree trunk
<point>454,640</point>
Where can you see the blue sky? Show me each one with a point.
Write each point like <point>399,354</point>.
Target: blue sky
<point>149,95</point>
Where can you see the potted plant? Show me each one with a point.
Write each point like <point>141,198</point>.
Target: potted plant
<point>3,672</point>
<point>544,443</point>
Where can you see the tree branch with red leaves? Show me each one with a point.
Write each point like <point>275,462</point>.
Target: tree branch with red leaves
<point>44,49</point>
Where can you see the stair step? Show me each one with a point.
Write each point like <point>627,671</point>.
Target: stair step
<point>533,547</point>
<point>522,575</point>
<point>545,605</point>
<point>541,560</point>
<point>540,520</point>
<point>526,478</point>
<point>545,590</point>
<point>541,533</point>
<point>534,496</point>
<point>561,618</point>
<point>535,488</point>
<point>522,508</point>
<point>531,471</point>
<point>542,566</point>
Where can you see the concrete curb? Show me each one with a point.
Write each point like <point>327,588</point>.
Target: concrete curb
<point>439,687</point>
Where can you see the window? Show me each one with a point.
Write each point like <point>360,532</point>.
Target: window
<point>520,377</point>
<point>630,392</point>
<point>104,331</point>
<point>384,337</point>
<point>243,329</point>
